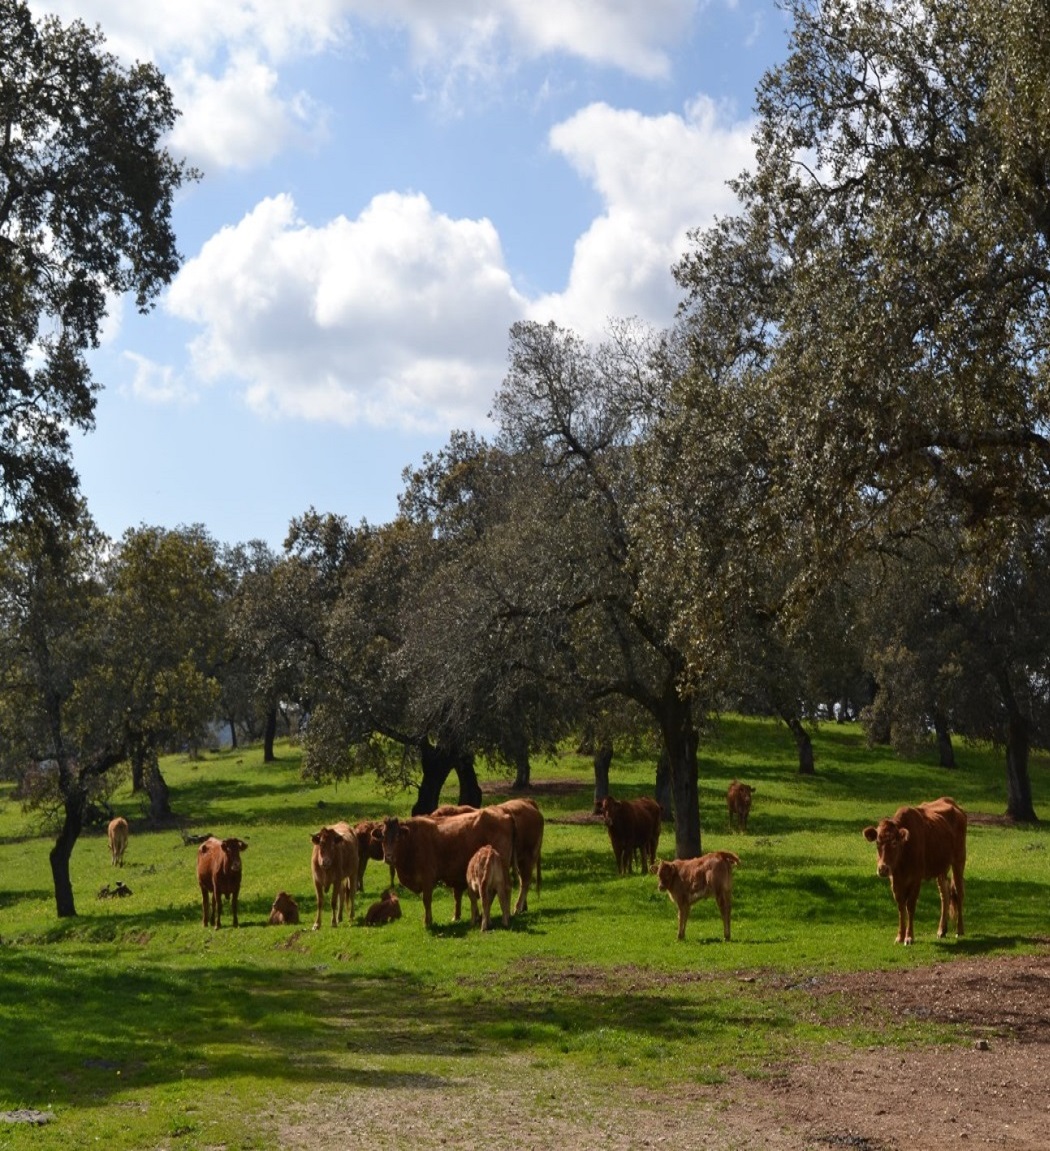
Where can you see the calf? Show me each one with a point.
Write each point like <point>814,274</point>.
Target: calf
<point>487,877</point>
<point>688,880</point>
<point>917,844</point>
<point>633,825</point>
<point>426,852</point>
<point>219,874</point>
<point>738,800</point>
<point>333,864</point>
<point>118,839</point>
<point>369,833</point>
<point>384,910</point>
<point>284,910</point>
<point>528,844</point>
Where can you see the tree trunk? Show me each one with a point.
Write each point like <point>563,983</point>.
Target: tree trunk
<point>944,740</point>
<point>63,850</point>
<point>1018,783</point>
<point>518,754</point>
<point>664,787</point>
<point>233,734</point>
<point>438,763</point>
<point>157,789</point>
<point>603,755</point>
<point>269,735</point>
<point>138,771</point>
<point>802,742</point>
<point>469,787</point>
<point>680,744</point>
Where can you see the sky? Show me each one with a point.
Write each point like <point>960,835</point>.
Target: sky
<point>388,186</point>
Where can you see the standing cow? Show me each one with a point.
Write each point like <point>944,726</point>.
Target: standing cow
<point>118,839</point>
<point>738,801</point>
<point>633,826</point>
<point>528,845</point>
<point>426,852</point>
<point>688,880</point>
<point>333,864</point>
<point>487,878</point>
<point>920,843</point>
<point>219,874</point>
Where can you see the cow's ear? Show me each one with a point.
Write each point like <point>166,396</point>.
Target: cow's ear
<point>316,838</point>
<point>654,869</point>
<point>242,846</point>
<point>902,834</point>
<point>870,834</point>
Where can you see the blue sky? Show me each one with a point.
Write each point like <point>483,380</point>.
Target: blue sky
<point>388,186</point>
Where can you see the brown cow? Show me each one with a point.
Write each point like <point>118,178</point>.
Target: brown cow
<point>384,910</point>
<point>528,844</point>
<point>118,839</point>
<point>333,864</point>
<point>487,877</point>
<point>284,910</point>
<point>921,843</point>
<point>738,800</point>
<point>219,874</point>
<point>369,834</point>
<point>634,825</point>
<point>426,852</point>
<point>689,880</point>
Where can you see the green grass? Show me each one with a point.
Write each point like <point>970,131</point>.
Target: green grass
<point>139,1028</point>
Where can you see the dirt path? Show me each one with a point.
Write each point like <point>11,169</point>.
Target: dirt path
<point>989,1090</point>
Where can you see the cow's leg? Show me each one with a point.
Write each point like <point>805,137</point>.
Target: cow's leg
<point>216,907</point>
<point>683,918</point>
<point>457,893</point>
<point>204,900</point>
<point>428,916</point>
<point>945,890</point>
<point>486,905</point>
<point>912,900</point>
<point>957,893</point>
<point>320,905</point>
<point>902,921</point>
<point>725,905</point>
<point>475,916</point>
<point>348,898</point>
<point>504,903</point>
<point>337,891</point>
<point>233,907</point>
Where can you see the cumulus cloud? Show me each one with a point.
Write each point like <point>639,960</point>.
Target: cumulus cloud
<point>397,318</point>
<point>157,383</point>
<point>658,178</point>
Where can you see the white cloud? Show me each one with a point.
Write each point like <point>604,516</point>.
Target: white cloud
<point>157,383</point>
<point>658,177</point>
<point>398,318</point>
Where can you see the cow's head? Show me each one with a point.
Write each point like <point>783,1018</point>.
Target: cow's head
<point>664,873</point>
<point>607,808</point>
<point>370,841</point>
<point>394,831</point>
<point>328,842</point>
<point>231,850</point>
<point>889,838</point>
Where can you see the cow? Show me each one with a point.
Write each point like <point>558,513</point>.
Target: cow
<point>688,880</point>
<point>384,910</point>
<point>333,864</point>
<point>487,878</point>
<point>118,839</point>
<point>284,911</point>
<point>528,844</point>
<point>917,844</point>
<point>634,825</point>
<point>426,851</point>
<point>738,801</point>
<point>369,833</point>
<point>219,874</point>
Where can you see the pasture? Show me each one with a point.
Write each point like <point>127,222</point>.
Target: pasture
<point>135,1027</point>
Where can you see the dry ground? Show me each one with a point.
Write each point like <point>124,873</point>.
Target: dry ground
<point>989,1089</point>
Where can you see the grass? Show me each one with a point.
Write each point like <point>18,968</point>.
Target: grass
<point>138,1028</point>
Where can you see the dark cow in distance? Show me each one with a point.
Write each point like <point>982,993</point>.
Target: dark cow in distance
<point>738,801</point>
<point>633,825</point>
<point>219,874</point>
<point>117,833</point>
<point>426,851</point>
<point>333,864</point>
<point>284,911</point>
<point>385,910</point>
<point>688,880</point>
<point>920,843</point>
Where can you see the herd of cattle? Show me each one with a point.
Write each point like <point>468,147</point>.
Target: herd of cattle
<point>480,851</point>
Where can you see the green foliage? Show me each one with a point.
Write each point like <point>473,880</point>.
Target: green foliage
<point>138,1027</point>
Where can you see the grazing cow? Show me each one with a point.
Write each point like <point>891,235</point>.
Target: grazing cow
<point>333,864</point>
<point>634,825</point>
<point>219,874</point>
<point>384,910</point>
<point>118,839</point>
<point>284,911</point>
<point>426,852</point>
<point>487,877</point>
<point>689,880</point>
<point>921,843</point>
<point>738,800</point>
<point>369,833</point>
<point>528,844</point>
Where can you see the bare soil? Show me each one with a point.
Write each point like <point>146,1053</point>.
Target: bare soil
<point>989,1088</point>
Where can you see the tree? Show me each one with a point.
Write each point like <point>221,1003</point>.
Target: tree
<point>55,731</point>
<point>86,191</point>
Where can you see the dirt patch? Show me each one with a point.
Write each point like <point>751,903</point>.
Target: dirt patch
<point>989,1088</point>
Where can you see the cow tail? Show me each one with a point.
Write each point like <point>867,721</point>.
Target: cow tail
<point>953,901</point>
